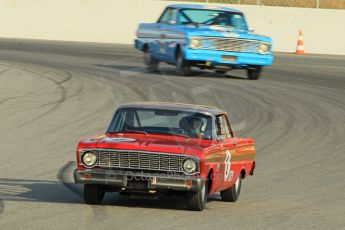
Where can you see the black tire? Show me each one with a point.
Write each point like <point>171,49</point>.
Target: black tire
<point>220,71</point>
<point>232,193</point>
<point>254,72</point>
<point>183,67</point>
<point>93,194</point>
<point>150,62</point>
<point>124,193</point>
<point>196,201</point>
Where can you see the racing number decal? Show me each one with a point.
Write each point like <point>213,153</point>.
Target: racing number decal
<point>227,163</point>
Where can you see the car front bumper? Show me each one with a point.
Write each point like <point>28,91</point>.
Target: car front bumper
<point>236,59</point>
<point>129,180</point>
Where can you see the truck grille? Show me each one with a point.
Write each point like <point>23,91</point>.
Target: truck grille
<point>230,44</point>
<point>140,160</point>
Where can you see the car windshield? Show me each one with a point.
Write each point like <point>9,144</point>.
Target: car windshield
<point>212,17</point>
<point>162,121</point>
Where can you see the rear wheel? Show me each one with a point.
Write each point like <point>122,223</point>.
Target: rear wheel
<point>122,193</point>
<point>93,194</point>
<point>220,71</point>
<point>183,67</point>
<point>150,62</point>
<point>196,201</point>
<point>232,193</point>
<point>253,72</point>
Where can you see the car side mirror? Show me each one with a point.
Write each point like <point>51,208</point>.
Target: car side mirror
<point>220,138</point>
<point>251,30</point>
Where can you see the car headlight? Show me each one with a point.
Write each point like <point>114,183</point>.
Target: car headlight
<point>263,48</point>
<point>189,166</point>
<point>195,43</point>
<point>89,159</point>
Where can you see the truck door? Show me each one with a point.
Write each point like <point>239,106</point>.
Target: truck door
<point>166,23</point>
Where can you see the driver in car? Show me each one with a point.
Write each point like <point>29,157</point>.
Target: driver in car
<point>222,20</point>
<point>195,127</point>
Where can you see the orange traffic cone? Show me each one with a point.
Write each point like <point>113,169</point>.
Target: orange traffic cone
<point>300,47</point>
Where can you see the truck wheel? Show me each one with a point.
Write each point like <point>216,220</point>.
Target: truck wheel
<point>150,62</point>
<point>220,71</point>
<point>93,194</point>
<point>196,201</point>
<point>253,72</point>
<point>183,67</point>
<point>232,193</point>
<point>122,193</point>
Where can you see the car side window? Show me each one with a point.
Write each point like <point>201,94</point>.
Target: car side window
<point>238,21</point>
<point>231,133</point>
<point>168,16</point>
<point>222,127</point>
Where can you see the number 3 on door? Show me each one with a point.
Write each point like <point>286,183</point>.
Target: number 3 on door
<point>227,163</point>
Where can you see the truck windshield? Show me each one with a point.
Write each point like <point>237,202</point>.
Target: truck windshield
<point>212,17</point>
<point>162,121</point>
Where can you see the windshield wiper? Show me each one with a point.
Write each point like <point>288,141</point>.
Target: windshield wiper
<point>173,134</point>
<point>196,24</point>
<point>225,26</point>
<point>131,131</point>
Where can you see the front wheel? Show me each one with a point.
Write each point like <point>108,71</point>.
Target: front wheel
<point>150,62</point>
<point>93,194</point>
<point>183,67</point>
<point>253,72</point>
<point>220,71</point>
<point>196,201</point>
<point>232,193</point>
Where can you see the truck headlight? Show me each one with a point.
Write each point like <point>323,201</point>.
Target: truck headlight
<point>194,42</point>
<point>89,159</point>
<point>263,48</point>
<point>189,166</point>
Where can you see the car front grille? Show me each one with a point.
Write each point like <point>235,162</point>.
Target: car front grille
<point>230,44</point>
<point>140,160</point>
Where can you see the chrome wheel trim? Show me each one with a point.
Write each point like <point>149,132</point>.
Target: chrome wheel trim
<point>203,191</point>
<point>237,183</point>
<point>179,61</point>
<point>147,58</point>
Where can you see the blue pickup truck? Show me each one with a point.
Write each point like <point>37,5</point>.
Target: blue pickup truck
<point>207,37</point>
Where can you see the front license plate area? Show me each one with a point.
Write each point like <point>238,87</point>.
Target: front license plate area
<point>137,184</point>
<point>229,58</point>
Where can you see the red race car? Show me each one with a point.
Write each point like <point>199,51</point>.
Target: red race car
<point>165,148</point>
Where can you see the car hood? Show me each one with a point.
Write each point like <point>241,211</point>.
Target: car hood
<point>220,31</point>
<point>150,143</point>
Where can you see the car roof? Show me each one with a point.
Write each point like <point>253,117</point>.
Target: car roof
<point>205,7</point>
<point>207,110</point>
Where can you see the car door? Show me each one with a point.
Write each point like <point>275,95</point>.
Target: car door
<point>167,22</point>
<point>228,141</point>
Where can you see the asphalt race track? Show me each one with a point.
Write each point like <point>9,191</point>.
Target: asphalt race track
<point>52,94</point>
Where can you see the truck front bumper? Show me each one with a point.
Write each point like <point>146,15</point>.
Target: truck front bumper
<point>235,59</point>
<point>143,181</point>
